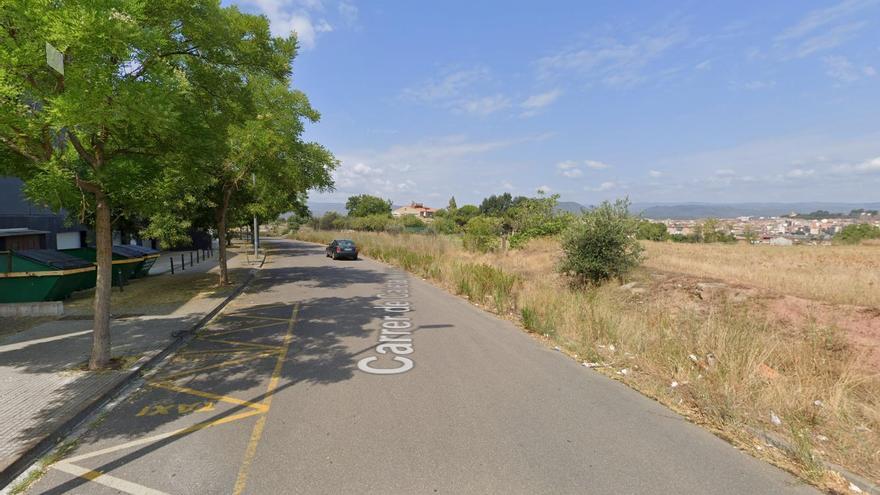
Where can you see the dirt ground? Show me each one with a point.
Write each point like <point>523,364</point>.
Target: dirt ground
<point>860,324</point>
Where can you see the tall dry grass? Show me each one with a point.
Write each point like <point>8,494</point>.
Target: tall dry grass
<point>836,274</point>
<point>722,364</point>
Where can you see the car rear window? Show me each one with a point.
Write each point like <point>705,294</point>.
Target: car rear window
<point>345,243</point>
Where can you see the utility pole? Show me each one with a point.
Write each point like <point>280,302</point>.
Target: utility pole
<point>256,225</point>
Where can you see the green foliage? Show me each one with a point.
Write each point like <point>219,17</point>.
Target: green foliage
<point>364,205</point>
<point>371,223</point>
<point>535,217</point>
<point>483,283</point>
<point>601,244</point>
<point>856,233</point>
<point>497,205</point>
<point>444,225</point>
<point>482,234</point>
<point>463,215</point>
<point>327,221</point>
<point>651,231</point>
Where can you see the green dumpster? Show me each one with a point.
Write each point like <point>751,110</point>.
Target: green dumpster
<point>149,255</point>
<point>42,275</point>
<point>125,263</point>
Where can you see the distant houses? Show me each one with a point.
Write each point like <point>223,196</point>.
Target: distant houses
<point>414,209</point>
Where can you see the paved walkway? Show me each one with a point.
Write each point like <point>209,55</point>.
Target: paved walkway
<point>41,384</point>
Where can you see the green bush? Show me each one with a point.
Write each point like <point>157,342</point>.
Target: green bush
<point>601,244</point>
<point>482,234</point>
<point>856,233</point>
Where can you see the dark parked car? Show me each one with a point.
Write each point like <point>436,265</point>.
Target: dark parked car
<point>342,248</point>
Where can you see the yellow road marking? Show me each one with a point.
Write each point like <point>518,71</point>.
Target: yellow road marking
<point>245,344</point>
<point>162,436</point>
<point>257,317</point>
<point>175,376</point>
<point>207,395</point>
<point>243,329</point>
<point>257,432</point>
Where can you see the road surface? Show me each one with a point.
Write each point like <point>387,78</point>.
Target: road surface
<point>353,377</point>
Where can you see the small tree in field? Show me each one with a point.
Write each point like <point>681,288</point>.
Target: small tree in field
<point>601,244</point>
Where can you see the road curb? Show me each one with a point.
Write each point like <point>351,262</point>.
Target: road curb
<point>145,364</point>
<point>864,484</point>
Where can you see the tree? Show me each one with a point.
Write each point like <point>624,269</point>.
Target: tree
<point>268,168</point>
<point>452,207</point>
<point>497,206</point>
<point>651,231</point>
<point>601,244</point>
<point>364,205</point>
<point>100,138</point>
<point>465,213</point>
<point>482,233</point>
<point>856,233</point>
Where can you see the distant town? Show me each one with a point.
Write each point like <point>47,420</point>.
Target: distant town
<point>796,228</point>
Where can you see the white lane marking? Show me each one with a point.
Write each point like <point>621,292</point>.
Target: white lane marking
<point>21,345</point>
<point>162,436</point>
<point>106,480</point>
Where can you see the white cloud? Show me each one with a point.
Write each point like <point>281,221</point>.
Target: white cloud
<point>448,86</point>
<point>724,172</point>
<point>867,166</point>
<point>507,186</point>
<point>704,65</point>
<point>799,173</point>
<point>434,165</point>
<point>298,16</point>
<point>843,70</point>
<point>611,61</point>
<point>569,169</point>
<point>484,106</point>
<point>819,18</point>
<point>538,101</point>
<point>756,85</point>
<point>544,189</point>
<point>349,12</point>
<point>596,165</point>
<point>603,187</point>
<point>655,173</point>
<point>826,28</point>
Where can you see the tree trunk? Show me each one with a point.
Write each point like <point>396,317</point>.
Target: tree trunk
<point>100,357</point>
<point>221,234</point>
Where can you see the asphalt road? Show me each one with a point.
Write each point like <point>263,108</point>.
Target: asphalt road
<point>281,394</point>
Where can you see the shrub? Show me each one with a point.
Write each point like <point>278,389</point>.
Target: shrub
<point>856,233</point>
<point>601,244</point>
<point>482,234</point>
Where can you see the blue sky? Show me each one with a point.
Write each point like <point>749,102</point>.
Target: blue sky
<point>659,101</point>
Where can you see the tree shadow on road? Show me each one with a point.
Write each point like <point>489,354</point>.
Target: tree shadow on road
<point>328,334</point>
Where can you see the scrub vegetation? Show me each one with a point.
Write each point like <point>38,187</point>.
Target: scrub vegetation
<point>715,352</point>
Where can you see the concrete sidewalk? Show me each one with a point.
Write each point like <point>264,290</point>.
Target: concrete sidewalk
<point>43,387</point>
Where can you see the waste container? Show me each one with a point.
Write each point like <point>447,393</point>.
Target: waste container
<point>125,262</point>
<point>149,255</point>
<point>42,275</point>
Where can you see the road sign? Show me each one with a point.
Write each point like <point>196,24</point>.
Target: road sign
<point>54,58</point>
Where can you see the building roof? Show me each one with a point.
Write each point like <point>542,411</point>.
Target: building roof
<point>20,232</point>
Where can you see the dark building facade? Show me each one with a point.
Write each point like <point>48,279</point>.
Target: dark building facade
<point>16,212</point>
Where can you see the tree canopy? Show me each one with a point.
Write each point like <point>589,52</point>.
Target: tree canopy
<point>364,205</point>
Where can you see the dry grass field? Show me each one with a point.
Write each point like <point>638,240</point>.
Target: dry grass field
<point>716,352</point>
<point>835,274</point>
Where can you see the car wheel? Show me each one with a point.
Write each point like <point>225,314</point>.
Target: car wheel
<point>355,257</point>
